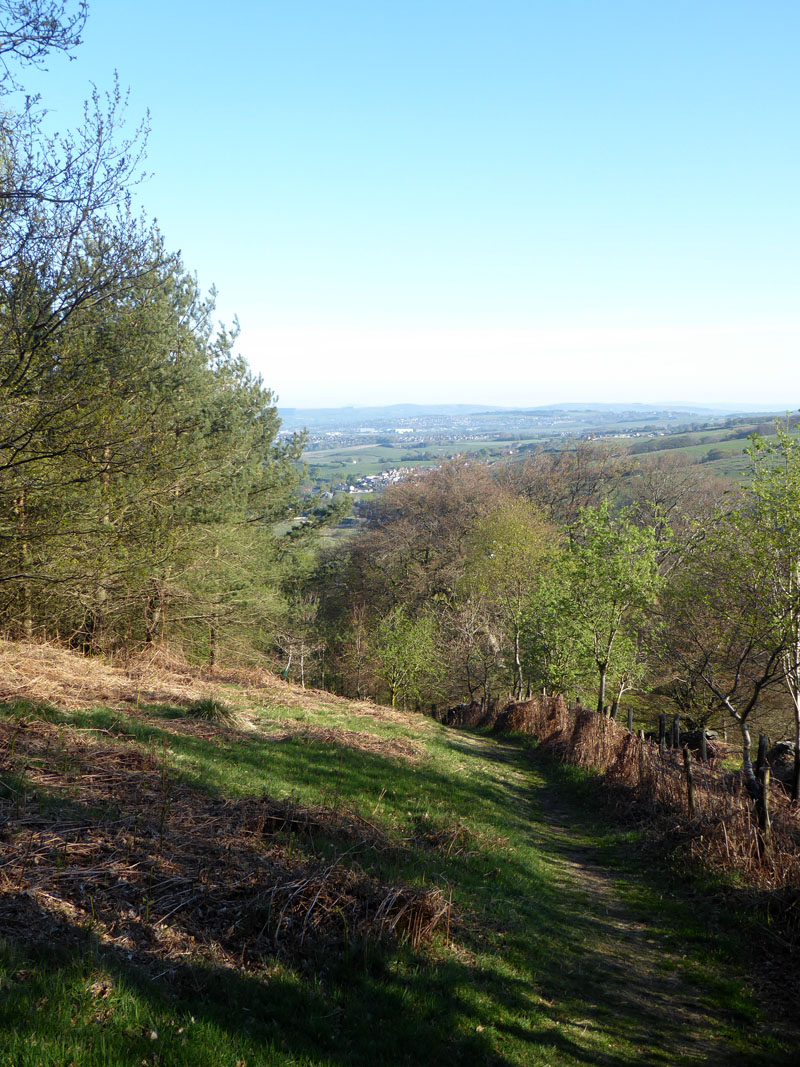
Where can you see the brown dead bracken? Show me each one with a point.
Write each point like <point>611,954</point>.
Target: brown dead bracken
<point>166,873</point>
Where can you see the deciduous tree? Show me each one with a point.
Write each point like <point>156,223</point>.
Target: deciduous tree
<point>720,631</point>
<point>775,531</point>
<point>614,580</point>
<point>511,557</point>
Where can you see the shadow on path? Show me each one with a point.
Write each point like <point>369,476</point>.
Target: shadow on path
<point>616,978</point>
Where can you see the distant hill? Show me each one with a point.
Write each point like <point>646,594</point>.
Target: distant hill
<point>392,415</point>
<point>683,407</point>
<point>320,418</point>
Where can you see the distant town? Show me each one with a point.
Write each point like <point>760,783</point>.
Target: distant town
<point>362,451</point>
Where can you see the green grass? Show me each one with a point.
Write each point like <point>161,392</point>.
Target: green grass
<point>706,926</point>
<point>733,463</point>
<point>340,463</point>
<point>520,980</point>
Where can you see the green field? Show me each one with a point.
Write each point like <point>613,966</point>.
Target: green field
<point>708,447</point>
<point>332,465</point>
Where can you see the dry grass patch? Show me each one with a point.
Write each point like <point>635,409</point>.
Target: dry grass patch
<point>450,839</point>
<point>62,678</point>
<point>358,740</point>
<point>166,873</point>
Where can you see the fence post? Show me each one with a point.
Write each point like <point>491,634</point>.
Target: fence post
<point>703,745</point>
<point>662,731</point>
<point>630,719</point>
<point>676,731</point>
<point>762,813</point>
<point>687,763</point>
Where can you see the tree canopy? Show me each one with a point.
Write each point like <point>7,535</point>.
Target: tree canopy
<point>141,470</point>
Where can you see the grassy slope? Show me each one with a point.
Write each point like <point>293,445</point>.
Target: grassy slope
<point>517,977</point>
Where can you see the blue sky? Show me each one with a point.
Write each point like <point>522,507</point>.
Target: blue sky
<point>504,202</point>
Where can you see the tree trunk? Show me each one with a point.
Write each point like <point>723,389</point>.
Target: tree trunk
<point>93,621</point>
<point>519,683</point>
<point>154,616</point>
<point>212,644</point>
<point>601,692</point>
<point>98,614</point>
<point>212,629</point>
<point>27,599</point>
<point>25,560</point>
<point>750,779</point>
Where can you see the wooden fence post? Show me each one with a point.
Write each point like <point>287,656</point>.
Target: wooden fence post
<point>703,745</point>
<point>763,748</point>
<point>676,731</point>
<point>687,764</point>
<point>630,719</point>
<point>662,732</point>
<point>762,813</point>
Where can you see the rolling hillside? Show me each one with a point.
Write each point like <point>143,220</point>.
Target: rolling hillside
<point>235,871</point>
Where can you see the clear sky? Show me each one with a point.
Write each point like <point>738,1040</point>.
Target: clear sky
<point>501,201</point>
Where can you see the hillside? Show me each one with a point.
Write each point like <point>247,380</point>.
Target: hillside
<point>233,870</point>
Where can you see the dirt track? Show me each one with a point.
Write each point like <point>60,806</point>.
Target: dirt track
<point>632,984</point>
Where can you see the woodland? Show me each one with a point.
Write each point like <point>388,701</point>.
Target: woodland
<point>147,498</point>
<point>141,471</point>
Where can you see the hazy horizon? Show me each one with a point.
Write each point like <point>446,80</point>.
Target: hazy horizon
<point>657,405</point>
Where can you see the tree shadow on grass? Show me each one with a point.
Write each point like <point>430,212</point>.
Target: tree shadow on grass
<point>660,978</point>
<point>531,977</point>
<point>350,1014</point>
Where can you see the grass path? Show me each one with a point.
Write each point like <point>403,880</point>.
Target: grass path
<point>628,975</point>
<point>631,984</point>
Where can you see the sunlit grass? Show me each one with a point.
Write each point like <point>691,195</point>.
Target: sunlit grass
<point>516,980</point>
